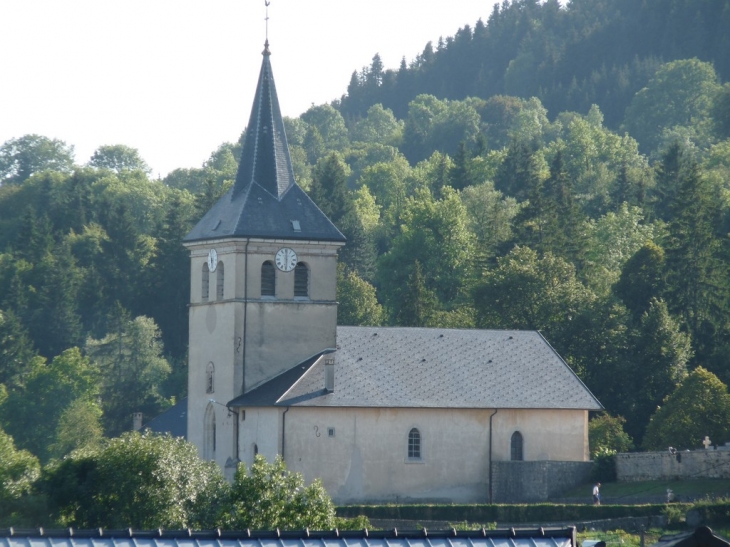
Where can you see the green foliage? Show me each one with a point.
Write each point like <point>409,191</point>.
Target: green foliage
<point>604,466</point>
<point>16,351</point>
<point>136,481</point>
<point>132,367</point>
<point>527,292</point>
<point>357,301</point>
<point>272,497</point>
<point>117,158</point>
<point>681,93</point>
<point>32,414</point>
<point>19,469</point>
<point>606,433</point>
<point>699,407</point>
<point>22,157</point>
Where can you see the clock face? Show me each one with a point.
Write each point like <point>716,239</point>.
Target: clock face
<point>212,260</point>
<point>286,259</point>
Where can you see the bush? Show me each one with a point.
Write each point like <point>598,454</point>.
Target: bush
<point>604,466</point>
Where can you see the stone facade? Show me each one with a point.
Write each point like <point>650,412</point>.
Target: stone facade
<point>652,466</point>
<point>532,482</point>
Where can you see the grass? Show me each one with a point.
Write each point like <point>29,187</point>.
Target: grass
<point>621,538</point>
<point>694,489</point>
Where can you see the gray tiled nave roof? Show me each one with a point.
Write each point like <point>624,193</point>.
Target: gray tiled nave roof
<point>432,368</point>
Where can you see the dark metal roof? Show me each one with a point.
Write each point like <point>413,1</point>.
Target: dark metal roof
<point>265,199</point>
<point>700,537</point>
<point>432,368</point>
<point>173,421</point>
<point>541,537</point>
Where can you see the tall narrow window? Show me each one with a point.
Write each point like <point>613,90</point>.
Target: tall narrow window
<point>220,278</point>
<point>209,439</point>
<point>516,446</point>
<point>205,287</point>
<point>301,280</point>
<point>414,444</point>
<point>268,279</point>
<point>210,378</point>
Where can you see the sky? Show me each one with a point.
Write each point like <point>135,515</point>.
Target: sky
<point>176,78</point>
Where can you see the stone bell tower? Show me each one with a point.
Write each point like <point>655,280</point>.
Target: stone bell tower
<point>263,268</point>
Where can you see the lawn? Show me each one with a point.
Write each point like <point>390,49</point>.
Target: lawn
<point>688,490</point>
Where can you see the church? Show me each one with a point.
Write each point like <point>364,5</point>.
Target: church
<point>379,414</point>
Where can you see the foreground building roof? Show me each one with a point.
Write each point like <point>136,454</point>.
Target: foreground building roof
<point>431,368</point>
<point>541,537</point>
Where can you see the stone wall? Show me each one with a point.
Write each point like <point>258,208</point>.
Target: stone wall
<point>696,464</point>
<point>527,482</point>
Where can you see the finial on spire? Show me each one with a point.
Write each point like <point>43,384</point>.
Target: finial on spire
<point>267,2</point>
<point>266,44</point>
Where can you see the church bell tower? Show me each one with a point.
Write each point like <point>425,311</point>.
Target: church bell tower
<point>263,269</point>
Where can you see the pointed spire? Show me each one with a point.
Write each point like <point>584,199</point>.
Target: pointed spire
<point>265,156</point>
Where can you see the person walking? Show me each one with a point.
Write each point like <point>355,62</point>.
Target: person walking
<point>597,494</point>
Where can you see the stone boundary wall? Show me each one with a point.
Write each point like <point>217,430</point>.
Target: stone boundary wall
<point>529,482</point>
<point>652,466</point>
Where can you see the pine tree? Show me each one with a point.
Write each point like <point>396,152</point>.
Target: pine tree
<point>418,304</point>
<point>459,173</point>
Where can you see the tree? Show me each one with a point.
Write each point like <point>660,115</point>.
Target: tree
<point>19,470</point>
<point>681,93</point>
<point>79,426</point>
<point>379,126</point>
<point>418,304</point>
<point>435,233</point>
<point>330,125</point>
<point>272,497</point>
<point>527,292</point>
<point>32,415</point>
<point>721,112</point>
<point>659,362</point>
<point>357,303</point>
<point>610,241</point>
<point>699,407</point>
<point>490,218</point>
<point>642,278</point>
<point>606,432</point>
<point>22,157</point>
<point>697,273</point>
<point>140,481</point>
<point>130,358</point>
<point>16,351</point>
<point>118,158</point>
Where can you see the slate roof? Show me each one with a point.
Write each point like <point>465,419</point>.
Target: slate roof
<point>265,199</point>
<point>432,368</point>
<point>702,536</point>
<point>542,537</point>
<point>173,421</point>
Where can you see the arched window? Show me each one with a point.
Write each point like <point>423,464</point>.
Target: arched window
<point>209,378</point>
<point>268,279</point>
<point>220,278</point>
<point>516,447</point>
<point>255,449</point>
<point>414,444</point>
<point>205,287</point>
<point>301,280</point>
<point>209,433</point>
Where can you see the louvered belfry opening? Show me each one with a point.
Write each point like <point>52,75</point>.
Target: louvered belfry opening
<point>301,280</point>
<point>268,279</point>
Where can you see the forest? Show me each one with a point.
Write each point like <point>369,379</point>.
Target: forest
<point>562,169</point>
